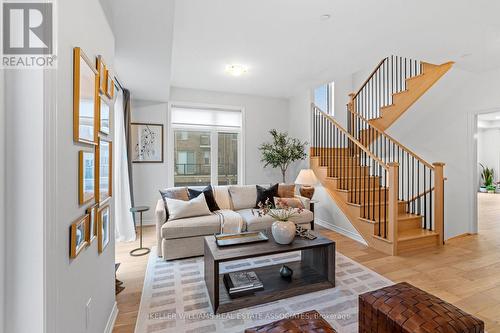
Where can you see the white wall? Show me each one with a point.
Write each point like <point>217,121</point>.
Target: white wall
<point>488,150</point>
<point>90,276</point>
<point>261,115</point>
<point>148,178</point>
<point>2,202</point>
<point>24,218</point>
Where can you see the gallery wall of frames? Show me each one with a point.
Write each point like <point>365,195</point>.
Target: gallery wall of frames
<point>93,95</point>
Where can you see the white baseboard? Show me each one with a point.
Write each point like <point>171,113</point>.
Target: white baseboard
<point>342,231</point>
<point>111,320</point>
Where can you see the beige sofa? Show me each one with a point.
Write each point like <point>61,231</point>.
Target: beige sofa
<point>184,237</point>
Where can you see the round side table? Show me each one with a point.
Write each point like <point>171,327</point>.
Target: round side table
<point>140,251</point>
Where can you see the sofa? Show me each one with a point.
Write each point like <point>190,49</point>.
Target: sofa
<point>182,238</point>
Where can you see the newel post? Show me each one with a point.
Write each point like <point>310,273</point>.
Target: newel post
<point>439,201</point>
<point>393,182</point>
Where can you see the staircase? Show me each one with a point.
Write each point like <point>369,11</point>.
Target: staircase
<point>393,198</point>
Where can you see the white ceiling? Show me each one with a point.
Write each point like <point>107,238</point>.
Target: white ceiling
<point>285,43</point>
<point>143,45</point>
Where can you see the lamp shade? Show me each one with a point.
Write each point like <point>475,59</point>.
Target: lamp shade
<point>306,177</point>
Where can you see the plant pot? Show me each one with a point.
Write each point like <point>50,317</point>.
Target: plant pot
<point>491,191</point>
<point>283,232</point>
<point>482,189</point>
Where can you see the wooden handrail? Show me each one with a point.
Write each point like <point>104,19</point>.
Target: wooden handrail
<point>350,137</point>
<point>409,151</point>
<point>371,75</point>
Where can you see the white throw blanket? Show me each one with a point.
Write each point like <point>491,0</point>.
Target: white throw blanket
<point>230,221</point>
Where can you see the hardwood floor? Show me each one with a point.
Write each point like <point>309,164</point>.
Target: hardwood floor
<point>465,272</point>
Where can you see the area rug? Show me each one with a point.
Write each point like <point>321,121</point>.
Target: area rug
<point>175,299</point>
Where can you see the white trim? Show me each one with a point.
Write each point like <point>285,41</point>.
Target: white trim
<point>472,160</point>
<point>213,129</point>
<point>111,319</point>
<point>342,231</point>
<point>50,184</point>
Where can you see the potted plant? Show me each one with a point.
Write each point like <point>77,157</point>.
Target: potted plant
<point>282,151</point>
<point>487,178</point>
<point>283,229</point>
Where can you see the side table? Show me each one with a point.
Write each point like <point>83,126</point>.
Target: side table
<point>140,251</point>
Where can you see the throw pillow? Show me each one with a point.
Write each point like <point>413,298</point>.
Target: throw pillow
<point>291,202</point>
<point>286,190</point>
<point>179,209</point>
<point>209,197</point>
<point>179,193</point>
<point>265,194</point>
<point>243,196</point>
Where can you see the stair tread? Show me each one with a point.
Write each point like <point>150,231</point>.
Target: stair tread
<point>363,189</point>
<point>401,217</point>
<point>367,176</point>
<point>405,235</point>
<point>375,203</point>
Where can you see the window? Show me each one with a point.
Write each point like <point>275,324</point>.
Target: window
<point>207,146</point>
<point>323,97</point>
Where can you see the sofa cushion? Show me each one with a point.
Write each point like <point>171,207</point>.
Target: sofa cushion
<point>286,190</point>
<point>291,202</point>
<point>243,196</point>
<point>221,195</point>
<point>254,222</point>
<point>179,193</point>
<point>179,209</point>
<point>191,226</point>
<point>266,195</point>
<point>209,197</point>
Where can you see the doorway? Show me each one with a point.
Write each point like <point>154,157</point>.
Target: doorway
<point>487,177</point>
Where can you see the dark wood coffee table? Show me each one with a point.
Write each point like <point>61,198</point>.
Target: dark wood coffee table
<point>315,271</point>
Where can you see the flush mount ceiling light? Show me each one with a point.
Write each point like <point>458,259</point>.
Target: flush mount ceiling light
<point>325,17</point>
<point>236,69</point>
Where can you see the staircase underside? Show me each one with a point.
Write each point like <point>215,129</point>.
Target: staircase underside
<point>410,238</point>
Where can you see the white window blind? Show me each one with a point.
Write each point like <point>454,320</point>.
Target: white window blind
<point>206,117</point>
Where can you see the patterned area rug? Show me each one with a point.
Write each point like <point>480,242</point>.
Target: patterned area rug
<point>175,299</point>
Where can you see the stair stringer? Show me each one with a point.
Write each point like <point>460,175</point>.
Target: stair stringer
<point>364,228</point>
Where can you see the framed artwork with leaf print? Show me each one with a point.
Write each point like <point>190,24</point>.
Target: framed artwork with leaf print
<point>146,142</point>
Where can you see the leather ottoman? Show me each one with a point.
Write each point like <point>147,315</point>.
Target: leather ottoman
<point>405,308</point>
<point>307,322</point>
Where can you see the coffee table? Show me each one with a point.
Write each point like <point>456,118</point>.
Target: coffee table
<point>315,271</point>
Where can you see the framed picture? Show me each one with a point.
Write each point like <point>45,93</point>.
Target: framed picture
<point>85,98</point>
<point>111,87</point>
<point>92,225</point>
<point>102,69</point>
<point>86,176</point>
<point>103,227</point>
<point>147,143</point>
<point>104,116</point>
<point>105,169</point>
<point>78,236</point>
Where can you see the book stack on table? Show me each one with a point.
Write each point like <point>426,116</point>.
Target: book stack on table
<point>242,283</point>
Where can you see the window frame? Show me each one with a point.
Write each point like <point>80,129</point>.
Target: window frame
<point>330,95</point>
<point>214,142</point>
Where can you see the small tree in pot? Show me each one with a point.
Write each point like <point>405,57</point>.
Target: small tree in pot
<point>282,152</point>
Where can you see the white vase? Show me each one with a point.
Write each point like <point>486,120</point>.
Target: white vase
<point>283,232</point>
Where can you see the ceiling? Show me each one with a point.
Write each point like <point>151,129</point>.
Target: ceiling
<point>143,33</point>
<point>286,44</point>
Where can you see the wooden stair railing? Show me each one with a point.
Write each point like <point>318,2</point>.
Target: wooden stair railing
<point>417,180</point>
<point>381,184</point>
<point>394,85</point>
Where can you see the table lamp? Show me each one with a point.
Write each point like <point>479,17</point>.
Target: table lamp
<point>306,179</point>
